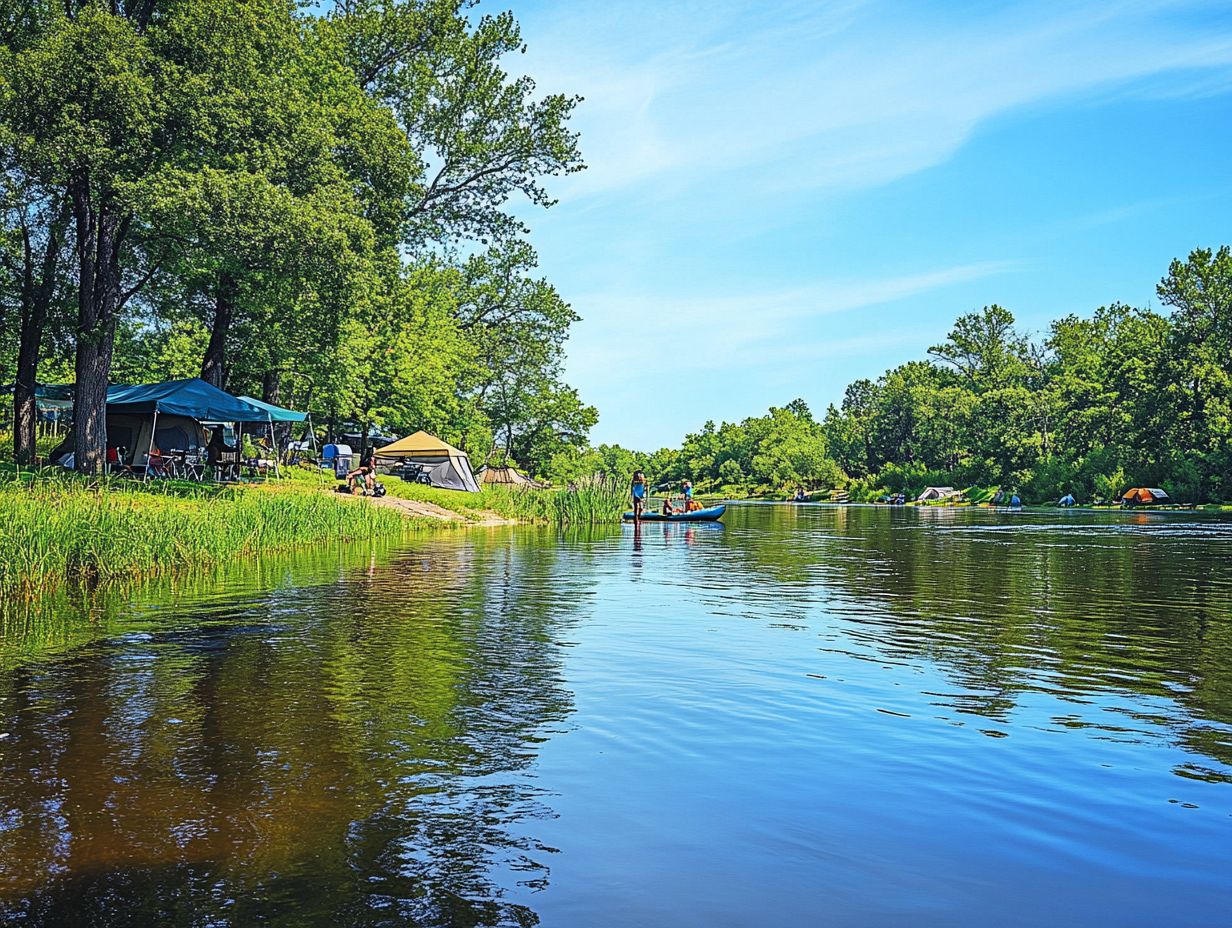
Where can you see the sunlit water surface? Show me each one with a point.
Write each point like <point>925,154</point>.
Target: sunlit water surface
<point>808,716</point>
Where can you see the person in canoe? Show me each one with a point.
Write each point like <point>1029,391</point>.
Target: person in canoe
<point>689,505</point>
<point>637,489</point>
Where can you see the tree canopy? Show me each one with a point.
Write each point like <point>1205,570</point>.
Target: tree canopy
<point>314,207</point>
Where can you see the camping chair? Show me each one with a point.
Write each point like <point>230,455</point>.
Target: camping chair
<point>192,465</point>
<point>227,467</point>
<point>115,461</point>
<point>159,465</point>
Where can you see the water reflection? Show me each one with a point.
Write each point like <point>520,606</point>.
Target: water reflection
<point>342,752</point>
<point>1065,604</point>
<point>807,715</point>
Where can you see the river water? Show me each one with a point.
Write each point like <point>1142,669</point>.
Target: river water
<point>811,715</point>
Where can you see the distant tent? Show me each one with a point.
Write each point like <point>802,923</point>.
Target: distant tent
<point>936,493</point>
<point>507,476</point>
<point>1067,500</point>
<point>1143,496</point>
<point>445,465</point>
<point>49,395</point>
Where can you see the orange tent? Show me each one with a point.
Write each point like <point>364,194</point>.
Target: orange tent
<point>1143,496</point>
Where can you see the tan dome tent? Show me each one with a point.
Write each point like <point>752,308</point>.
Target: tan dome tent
<point>936,493</point>
<point>446,466</point>
<point>507,476</point>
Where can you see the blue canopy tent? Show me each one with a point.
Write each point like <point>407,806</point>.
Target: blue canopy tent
<point>192,398</point>
<point>277,413</point>
<point>282,414</point>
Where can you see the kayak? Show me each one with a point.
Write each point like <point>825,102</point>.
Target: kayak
<point>713,514</point>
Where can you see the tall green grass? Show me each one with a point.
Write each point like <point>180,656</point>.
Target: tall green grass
<point>588,502</point>
<point>58,530</point>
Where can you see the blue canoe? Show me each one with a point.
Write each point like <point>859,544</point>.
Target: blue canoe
<point>713,514</point>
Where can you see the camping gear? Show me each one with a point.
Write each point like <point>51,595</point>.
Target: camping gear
<point>447,467</point>
<point>289,416</point>
<point>1143,496</point>
<point>413,473</point>
<point>1067,500</point>
<point>507,476</point>
<point>361,489</point>
<point>713,514</point>
<point>171,404</point>
<point>340,457</point>
<point>936,493</point>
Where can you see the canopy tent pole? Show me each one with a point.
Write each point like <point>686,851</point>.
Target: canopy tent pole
<point>150,451</point>
<point>274,442</point>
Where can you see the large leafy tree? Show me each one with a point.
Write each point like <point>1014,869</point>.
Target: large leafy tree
<point>482,137</point>
<point>90,117</point>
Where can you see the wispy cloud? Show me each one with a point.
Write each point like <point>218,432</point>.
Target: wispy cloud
<point>627,334</point>
<point>842,96</point>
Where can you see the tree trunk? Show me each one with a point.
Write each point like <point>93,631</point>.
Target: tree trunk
<point>214,365</point>
<point>35,301</point>
<point>100,231</point>
<point>271,386</point>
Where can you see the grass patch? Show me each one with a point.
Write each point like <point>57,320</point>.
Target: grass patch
<point>58,528</point>
<point>589,502</point>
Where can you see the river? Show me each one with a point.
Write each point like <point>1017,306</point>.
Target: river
<point>811,715</point>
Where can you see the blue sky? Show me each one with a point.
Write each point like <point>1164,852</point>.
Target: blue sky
<point>784,197</point>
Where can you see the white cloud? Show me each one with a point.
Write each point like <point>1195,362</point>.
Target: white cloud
<point>627,334</point>
<point>840,96</point>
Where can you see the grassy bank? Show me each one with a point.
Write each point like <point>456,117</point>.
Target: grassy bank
<point>58,529</point>
<point>590,502</point>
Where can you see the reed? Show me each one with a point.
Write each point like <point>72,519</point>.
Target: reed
<point>593,501</point>
<point>56,530</point>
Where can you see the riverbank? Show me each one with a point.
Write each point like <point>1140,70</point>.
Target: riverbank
<point>59,529</point>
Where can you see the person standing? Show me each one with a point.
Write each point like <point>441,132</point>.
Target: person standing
<point>637,489</point>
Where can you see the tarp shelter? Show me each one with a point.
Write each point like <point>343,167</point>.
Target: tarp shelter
<point>1067,500</point>
<point>507,476</point>
<point>935,493</point>
<point>1143,496</point>
<point>276,413</point>
<point>49,395</point>
<point>445,465</point>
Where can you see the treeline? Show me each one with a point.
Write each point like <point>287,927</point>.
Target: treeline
<point>1124,397</point>
<point>312,207</point>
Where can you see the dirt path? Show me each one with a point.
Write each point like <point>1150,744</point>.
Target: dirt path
<point>426,510</point>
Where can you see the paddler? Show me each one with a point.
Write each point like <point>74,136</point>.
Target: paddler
<point>638,490</point>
